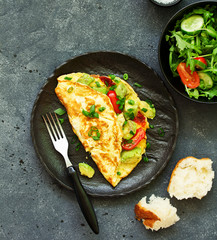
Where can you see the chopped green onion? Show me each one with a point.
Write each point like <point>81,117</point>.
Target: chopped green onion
<point>92,109</point>
<point>92,113</point>
<point>131,132</point>
<point>67,78</point>
<point>60,111</point>
<point>113,87</point>
<point>101,109</point>
<point>70,89</point>
<point>137,85</point>
<point>148,145</point>
<point>61,120</point>
<point>98,84</point>
<point>145,159</point>
<point>150,103</point>
<point>119,173</point>
<point>117,79</point>
<point>112,76</point>
<point>151,126</point>
<point>125,122</point>
<point>77,146</point>
<point>95,130</point>
<point>85,113</point>
<point>161,132</point>
<point>144,109</point>
<point>131,102</point>
<point>125,76</point>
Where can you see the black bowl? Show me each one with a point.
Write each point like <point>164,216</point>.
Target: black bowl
<point>163,52</point>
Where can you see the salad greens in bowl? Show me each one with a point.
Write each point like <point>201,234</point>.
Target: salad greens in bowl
<point>188,52</point>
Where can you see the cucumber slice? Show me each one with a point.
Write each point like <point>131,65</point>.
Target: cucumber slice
<point>192,25</point>
<point>206,81</point>
<point>199,64</point>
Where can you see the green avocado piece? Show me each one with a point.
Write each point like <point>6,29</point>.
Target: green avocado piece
<point>121,90</point>
<point>130,111</point>
<point>149,111</point>
<point>131,156</point>
<point>86,170</point>
<point>129,130</point>
<point>86,79</point>
<point>101,89</point>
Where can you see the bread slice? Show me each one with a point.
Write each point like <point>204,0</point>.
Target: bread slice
<point>190,178</point>
<point>156,214</point>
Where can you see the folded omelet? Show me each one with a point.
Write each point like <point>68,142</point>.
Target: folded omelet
<point>99,127</point>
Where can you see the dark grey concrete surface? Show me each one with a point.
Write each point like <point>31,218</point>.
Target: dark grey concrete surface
<point>37,36</point>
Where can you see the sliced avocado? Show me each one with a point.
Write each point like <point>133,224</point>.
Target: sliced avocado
<point>149,111</point>
<point>86,79</point>
<point>129,130</point>
<point>121,90</point>
<point>86,170</point>
<point>130,111</point>
<point>131,156</point>
<point>101,89</point>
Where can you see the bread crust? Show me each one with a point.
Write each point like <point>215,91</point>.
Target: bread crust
<point>177,165</point>
<point>148,217</point>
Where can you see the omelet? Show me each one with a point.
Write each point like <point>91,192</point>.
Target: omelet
<point>100,126</point>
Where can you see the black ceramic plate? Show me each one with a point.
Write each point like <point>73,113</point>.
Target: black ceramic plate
<point>105,63</point>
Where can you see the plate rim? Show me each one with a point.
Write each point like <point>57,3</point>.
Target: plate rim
<point>113,194</point>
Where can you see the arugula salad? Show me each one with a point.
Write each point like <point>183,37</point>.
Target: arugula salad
<point>193,52</point>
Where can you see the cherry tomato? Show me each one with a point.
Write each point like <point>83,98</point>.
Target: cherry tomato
<point>140,134</point>
<point>107,81</point>
<point>188,79</point>
<point>201,59</point>
<point>140,119</point>
<point>113,98</point>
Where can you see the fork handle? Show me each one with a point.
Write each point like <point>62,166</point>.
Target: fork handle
<point>84,201</point>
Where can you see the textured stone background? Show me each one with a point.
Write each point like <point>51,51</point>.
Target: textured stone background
<point>37,36</point>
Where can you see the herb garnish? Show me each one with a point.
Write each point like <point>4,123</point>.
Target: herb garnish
<point>119,173</point>
<point>101,109</point>
<point>112,87</point>
<point>121,102</point>
<point>60,111</point>
<point>98,84</point>
<point>161,132</point>
<point>131,102</point>
<point>151,126</point>
<point>92,113</point>
<point>94,133</point>
<point>70,89</point>
<point>67,78</point>
<point>145,159</point>
<point>137,85</point>
<point>144,109</point>
<point>61,120</point>
<point>125,76</point>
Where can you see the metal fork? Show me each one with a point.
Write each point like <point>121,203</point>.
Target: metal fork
<point>61,144</point>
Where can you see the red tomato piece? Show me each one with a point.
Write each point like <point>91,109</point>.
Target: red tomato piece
<point>140,119</point>
<point>201,59</point>
<point>140,134</point>
<point>113,98</point>
<point>188,78</point>
<point>107,81</point>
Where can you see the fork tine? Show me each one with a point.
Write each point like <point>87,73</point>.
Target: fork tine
<point>52,128</point>
<point>60,127</point>
<point>54,123</point>
<point>48,129</point>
